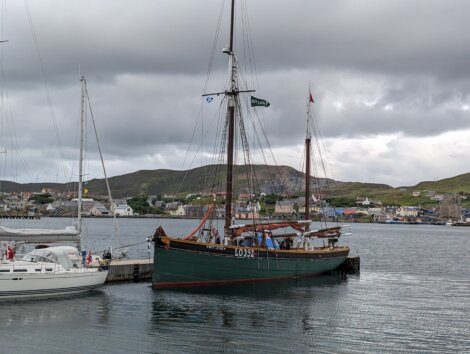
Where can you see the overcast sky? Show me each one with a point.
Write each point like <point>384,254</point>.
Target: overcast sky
<point>390,79</point>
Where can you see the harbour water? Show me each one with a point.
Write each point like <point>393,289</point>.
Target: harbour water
<point>412,295</point>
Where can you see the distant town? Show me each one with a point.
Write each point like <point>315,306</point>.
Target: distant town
<point>50,202</point>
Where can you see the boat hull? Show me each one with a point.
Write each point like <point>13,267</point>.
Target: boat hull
<point>185,264</point>
<point>18,286</point>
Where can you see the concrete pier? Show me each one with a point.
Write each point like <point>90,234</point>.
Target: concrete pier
<point>130,270</point>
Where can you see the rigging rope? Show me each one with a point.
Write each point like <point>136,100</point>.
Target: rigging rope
<point>116,224</point>
<point>201,109</point>
<point>47,88</point>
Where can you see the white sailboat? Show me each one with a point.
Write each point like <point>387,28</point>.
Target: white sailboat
<point>69,233</point>
<point>50,271</point>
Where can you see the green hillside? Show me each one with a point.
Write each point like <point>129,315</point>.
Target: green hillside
<point>403,195</point>
<point>269,179</point>
<point>457,184</point>
<point>153,182</point>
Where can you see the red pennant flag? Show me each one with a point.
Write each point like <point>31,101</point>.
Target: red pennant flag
<point>311,98</point>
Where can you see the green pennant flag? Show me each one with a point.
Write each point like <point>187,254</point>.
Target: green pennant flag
<point>259,102</point>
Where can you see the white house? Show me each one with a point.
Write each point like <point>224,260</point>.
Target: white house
<point>16,203</point>
<point>406,211</point>
<point>124,210</point>
<point>374,211</point>
<point>4,206</point>
<point>180,211</point>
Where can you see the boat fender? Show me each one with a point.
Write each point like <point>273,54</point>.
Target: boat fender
<point>10,253</point>
<point>89,258</point>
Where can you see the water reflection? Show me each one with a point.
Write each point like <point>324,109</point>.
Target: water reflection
<point>271,289</point>
<point>93,306</point>
<point>225,303</point>
<point>246,315</point>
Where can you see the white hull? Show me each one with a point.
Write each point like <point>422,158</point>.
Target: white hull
<point>27,285</point>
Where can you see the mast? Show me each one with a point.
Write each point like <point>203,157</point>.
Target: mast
<point>308,150</point>
<point>233,98</point>
<point>80,165</point>
<point>307,180</point>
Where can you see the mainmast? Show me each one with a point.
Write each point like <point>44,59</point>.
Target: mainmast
<point>232,99</point>
<point>80,165</point>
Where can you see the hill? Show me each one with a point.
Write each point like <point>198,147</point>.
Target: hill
<point>457,184</point>
<point>269,179</point>
<point>403,195</point>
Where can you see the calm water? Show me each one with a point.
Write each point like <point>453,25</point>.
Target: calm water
<point>413,295</point>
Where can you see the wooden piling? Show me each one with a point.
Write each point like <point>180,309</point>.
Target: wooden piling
<point>130,270</point>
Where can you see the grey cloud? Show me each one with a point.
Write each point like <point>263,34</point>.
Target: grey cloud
<point>146,65</point>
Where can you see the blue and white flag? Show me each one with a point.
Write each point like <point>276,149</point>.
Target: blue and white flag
<point>209,99</point>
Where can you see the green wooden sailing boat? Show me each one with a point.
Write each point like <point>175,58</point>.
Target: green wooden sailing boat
<point>250,252</point>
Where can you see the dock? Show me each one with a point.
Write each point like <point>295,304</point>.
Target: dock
<point>141,269</point>
<point>14,216</point>
<point>130,270</point>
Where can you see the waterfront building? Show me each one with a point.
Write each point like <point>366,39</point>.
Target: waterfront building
<point>284,207</point>
<point>98,209</point>
<point>123,210</point>
<point>179,211</point>
<point>407,211</point>
<point>4,206</point>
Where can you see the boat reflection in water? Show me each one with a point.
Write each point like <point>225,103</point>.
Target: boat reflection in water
<point>93,307</point>
<point>247,314</point>
<point>184,304</point>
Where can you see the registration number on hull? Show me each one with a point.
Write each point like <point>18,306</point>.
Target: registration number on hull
<point>244,253</point>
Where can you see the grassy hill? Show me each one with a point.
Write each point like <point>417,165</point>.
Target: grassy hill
<point>270,179</point>
<point>9,187</point>
<point>403,195</point>
<point>457,184</point>
<point>153,182</point>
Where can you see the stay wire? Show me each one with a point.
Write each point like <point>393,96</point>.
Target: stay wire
<point>116,224</point>
<point>47,88</point>
<point>201,109</point>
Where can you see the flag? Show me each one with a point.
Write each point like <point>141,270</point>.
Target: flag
<point>311,98</point>
<point>209,99</point>
<point>259,102</point>
<point>85,191</point>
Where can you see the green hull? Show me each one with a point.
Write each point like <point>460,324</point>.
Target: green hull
<point>182,267</point>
